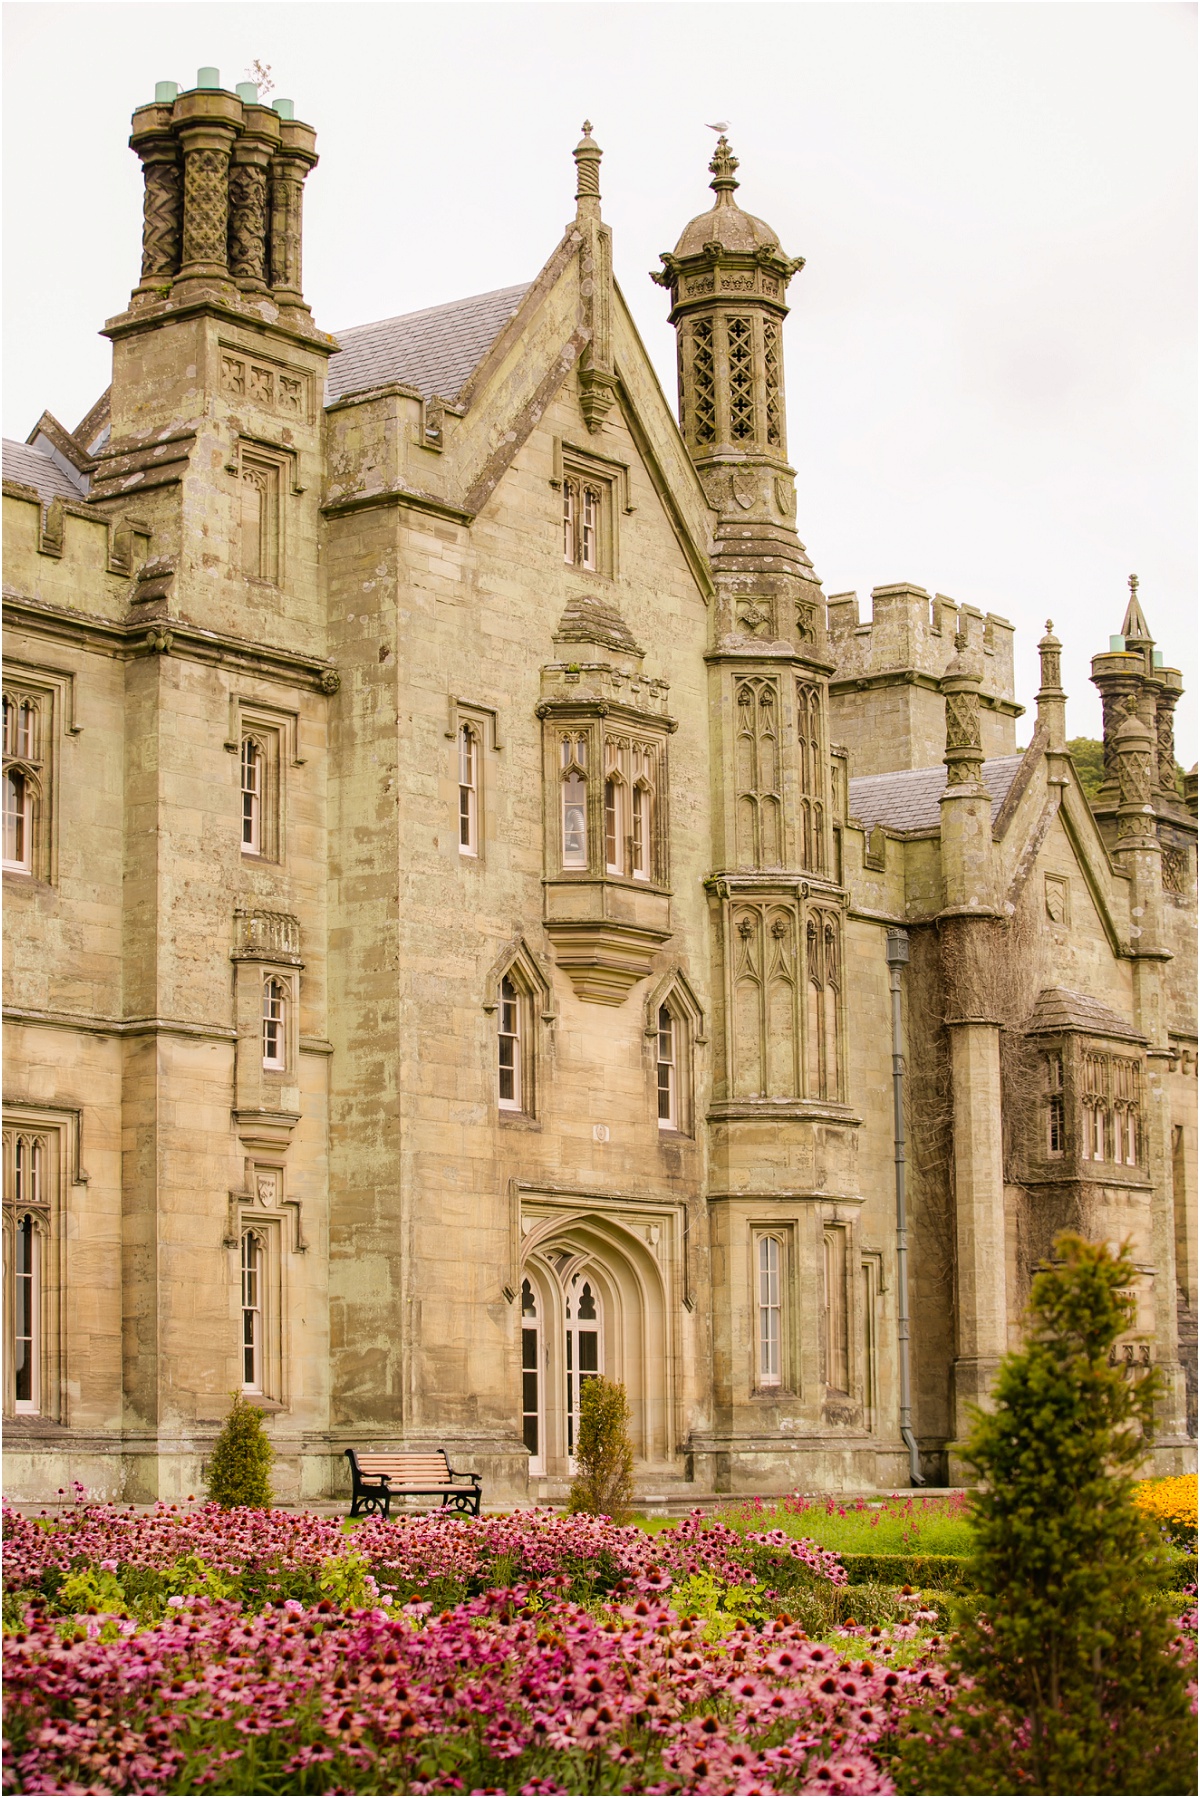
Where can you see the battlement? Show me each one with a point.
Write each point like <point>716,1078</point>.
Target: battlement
<point>910,633</point>
<point>885,698</point>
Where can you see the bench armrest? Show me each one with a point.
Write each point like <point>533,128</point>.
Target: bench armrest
<point>455,1474</point>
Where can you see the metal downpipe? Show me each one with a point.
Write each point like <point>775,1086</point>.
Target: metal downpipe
<point>897,959</point>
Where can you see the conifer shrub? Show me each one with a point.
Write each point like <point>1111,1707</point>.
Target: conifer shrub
<point>1070,1669</point>
<point>240,1466</point>
<point>603,1484</point>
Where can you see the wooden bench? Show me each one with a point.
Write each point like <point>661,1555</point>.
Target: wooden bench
<point>380,1478</point>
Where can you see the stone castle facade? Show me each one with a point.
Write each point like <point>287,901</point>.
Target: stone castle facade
<point>458,865</point>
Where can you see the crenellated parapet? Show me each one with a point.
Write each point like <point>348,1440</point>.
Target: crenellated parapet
<point>886,694</point>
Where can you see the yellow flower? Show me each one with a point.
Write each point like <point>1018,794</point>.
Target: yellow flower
<point>1171,1501</point>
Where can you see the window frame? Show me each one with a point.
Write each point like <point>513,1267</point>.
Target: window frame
<point>28,762</point>
<point>470,777</point>
<point>279,986</point>
<point>511,1033</point>
<point>674,995</point>
<point>836,1356</point>
<point>519,968</point>
<point>39,1201</point>
<point>768,1379</point>
<point>252,1237</point>
<point>276,735</point>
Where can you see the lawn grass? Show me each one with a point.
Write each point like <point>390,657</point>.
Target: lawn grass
<point>893,1526</point>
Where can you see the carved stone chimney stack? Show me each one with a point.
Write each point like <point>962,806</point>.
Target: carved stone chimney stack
<point>224,181</point>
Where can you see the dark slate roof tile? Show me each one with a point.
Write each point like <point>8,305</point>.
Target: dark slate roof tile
<point>908,800</point>
<point>435,351</point>
<point>32,468</point>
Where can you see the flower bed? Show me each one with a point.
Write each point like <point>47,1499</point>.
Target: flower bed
<point>1172,1504</point>
<point>120,1560</point>
<point>508,1693</point>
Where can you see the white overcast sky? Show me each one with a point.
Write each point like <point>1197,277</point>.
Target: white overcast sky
<point>991,352</point>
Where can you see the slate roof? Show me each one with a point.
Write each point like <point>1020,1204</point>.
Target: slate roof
<point>1059,1009</point>
<point>33,468</point>
<point>908,800</point>
<point>435,351</point>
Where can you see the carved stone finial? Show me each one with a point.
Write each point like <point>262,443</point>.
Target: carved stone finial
<point>587,154</point>
<point>1134,628</point>
<point>723,164</point>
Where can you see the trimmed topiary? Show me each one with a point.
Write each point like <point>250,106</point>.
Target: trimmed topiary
<point>1073,1669</point>
<point>603,1485</point>
<point>239,1469</point>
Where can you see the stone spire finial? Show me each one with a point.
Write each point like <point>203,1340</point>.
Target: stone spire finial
<point>1135,629</point>
<point>587,166</point>
<point>723,164</point>
<point>1051,700</point>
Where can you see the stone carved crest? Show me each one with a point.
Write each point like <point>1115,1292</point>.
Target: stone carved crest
<point>806,621</point>
<point>1056,899</point>
<point>744,488</point>
<point>785,496</point>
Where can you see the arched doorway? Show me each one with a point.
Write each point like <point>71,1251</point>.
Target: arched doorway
<point>593,1301</point>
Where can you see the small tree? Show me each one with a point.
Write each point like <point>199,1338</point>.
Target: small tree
<point>239,1471</point>
<point>603,1485</point>
<point>1073,1682</point>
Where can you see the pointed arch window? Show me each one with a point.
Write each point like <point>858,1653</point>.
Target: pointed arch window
<point>824,984</point>
<point>275,1003</point>
<point>812,778</point>
<point>585,506</point>
<point>254,781</point>
<point>573,756</point>
<point>531,1376</point>
<point>253,1333</point>
<point>837,1335</point>
<point>584,1347</point>
<point>510,1044</point>
<point>468,790</point>
<point>24,766</point>
<point>30,1300</point>
<point>668,1069</point>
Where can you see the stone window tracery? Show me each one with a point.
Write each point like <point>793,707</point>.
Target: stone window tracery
<point>583,504</point>
<point>1056,1121</point>
<point>30,1296</point>
<point>740,339</point>
<point>773,373</point>
<point>759,799</point>
<point>25,733</point>
<point>704,386</point>
<point>260,518</point>
<point>823,970</point>
<point>812,778</point>
<point>573,793</point>
<point>837,1333</point>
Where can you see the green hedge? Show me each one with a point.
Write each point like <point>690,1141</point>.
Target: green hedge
<point>951,1573</point>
